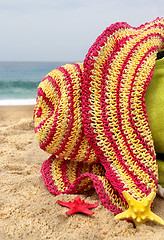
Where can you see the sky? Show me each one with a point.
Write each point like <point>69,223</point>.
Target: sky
<point>64,30</point>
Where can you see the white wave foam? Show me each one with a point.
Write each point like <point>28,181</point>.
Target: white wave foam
<point>17,102</point>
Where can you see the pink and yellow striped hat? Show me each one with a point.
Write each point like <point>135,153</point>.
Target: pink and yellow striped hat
<point>92,118</point>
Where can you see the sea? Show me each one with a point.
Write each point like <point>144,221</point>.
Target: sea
<point>19,81</point>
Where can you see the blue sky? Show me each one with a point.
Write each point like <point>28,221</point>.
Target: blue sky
<point>63,30</point>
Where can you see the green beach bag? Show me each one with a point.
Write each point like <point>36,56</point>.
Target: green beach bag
<point>155,110</point>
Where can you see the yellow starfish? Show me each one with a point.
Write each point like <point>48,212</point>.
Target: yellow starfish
<point>139,211</point>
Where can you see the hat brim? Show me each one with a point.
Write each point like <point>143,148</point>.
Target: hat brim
<point>117,70</point>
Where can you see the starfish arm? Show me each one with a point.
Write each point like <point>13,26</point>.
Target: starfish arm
<point>123,215</point>
<point>89,205</point>
<point>153,217</point>
<point>87,211</point>
<point>139,211</point>
<point>65,204</point>
<point>79,210</point>
<point>71,211</point>
<point>151,197</point>
<point>127,196</point>
<point>77,206</point>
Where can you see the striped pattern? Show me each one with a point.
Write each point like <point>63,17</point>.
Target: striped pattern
<point>57,115</point>
<point>92,118</point>
<point>69,177</point>
<point>117,70</point>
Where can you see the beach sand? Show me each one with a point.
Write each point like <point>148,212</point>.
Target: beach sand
<point>30,211</point>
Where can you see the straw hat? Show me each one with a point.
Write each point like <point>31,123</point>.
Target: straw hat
<point>58,117</point>
<point>92,117</point>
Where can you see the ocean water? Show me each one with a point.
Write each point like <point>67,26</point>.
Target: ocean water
<point>19,81</point>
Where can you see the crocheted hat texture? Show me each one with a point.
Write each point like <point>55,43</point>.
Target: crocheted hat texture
<point>57,115</point>
<point>92,118</point>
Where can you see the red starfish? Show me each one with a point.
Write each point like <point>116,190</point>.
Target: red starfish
<point>78,205</point>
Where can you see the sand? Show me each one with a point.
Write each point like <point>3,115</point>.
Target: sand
<point>29,211</point>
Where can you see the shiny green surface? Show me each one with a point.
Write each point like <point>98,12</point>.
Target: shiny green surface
<point>155,105</point>
<point>161,172</point>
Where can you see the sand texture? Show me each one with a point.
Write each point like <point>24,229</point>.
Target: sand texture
<point>29,211</point>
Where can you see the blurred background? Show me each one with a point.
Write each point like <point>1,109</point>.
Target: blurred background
<point>40,35</point>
